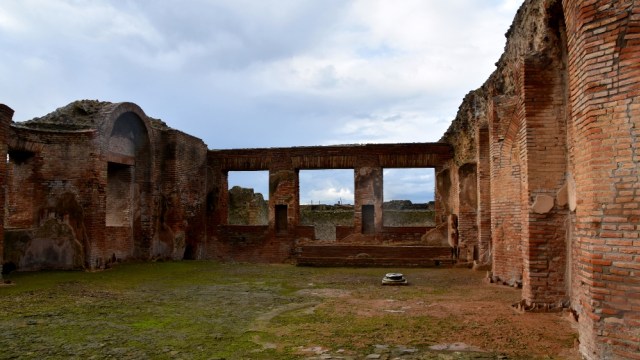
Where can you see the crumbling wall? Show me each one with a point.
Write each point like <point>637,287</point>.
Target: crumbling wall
<point>247,207</point>
<point>6,113</point>
<point>560,111</point>
<point>326,218</point>
<point>179,221</point>
<point>47,197</point>
<point>506,190</point>
<point>95,182</point>
<point>285,228</point>
<point>603,75</point>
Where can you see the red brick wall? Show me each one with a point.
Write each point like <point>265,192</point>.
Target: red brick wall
<point>506,219</point>
<point>251,244</point>
<point>60,181</point>
<point>468,212</point>
<point>604,64</point>
<point>368,191</point>
<point>544,167</point>
<point>119,243</point>
<point>283,165</point>
<point>5,119</point>
<point>180,216</point>
<point>442,184</point>
<point>484,196</point>
<point>563,120</point>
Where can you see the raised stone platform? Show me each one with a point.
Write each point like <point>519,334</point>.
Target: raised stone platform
<point>373,255</point>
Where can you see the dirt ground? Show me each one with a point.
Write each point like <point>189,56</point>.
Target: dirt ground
<point>207,310</point>
<point>467,313</point>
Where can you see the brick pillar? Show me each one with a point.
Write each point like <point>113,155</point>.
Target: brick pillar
<point>368,192</point>
<point>5,119</point>
<point>468,212</point>
<point>283,191</point>
<point>217,204</point>
<point>441,195</point>
<point>605,117</point>
<point>506,219</point>
<point>484,197</point>
<point>544,168</point>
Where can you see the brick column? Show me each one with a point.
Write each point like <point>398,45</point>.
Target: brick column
<point>283,191</point>
<point>544,168</point>
<point>605,116</point>
<point>468,212</point>
<point>5,119</point>
<point>506,219</point>
<point>441,196</point>
<point>368,191</point>
<point>484,197</point>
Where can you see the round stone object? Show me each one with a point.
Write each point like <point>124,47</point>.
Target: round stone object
<point>394,279</point>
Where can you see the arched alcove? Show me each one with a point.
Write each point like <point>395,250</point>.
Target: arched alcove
<point>128,192</point>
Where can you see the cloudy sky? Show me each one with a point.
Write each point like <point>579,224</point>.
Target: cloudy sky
<point>261,73</point>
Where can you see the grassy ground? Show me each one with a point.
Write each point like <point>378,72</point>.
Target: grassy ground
<point>208,310</point>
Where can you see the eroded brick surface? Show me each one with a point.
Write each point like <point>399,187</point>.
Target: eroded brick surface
<point>562,120</point>
<point>537,177</point>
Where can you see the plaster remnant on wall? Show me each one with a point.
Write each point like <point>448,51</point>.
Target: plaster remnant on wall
<point>562,196</point>
<point>571,193</point>
<point>542,204</point>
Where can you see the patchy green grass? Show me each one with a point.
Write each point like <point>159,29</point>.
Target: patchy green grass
<point>209,310</point>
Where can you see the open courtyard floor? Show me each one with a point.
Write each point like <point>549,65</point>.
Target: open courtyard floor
<point>210,310</point>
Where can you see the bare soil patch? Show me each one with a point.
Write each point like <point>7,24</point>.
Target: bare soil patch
<point>207,310</point>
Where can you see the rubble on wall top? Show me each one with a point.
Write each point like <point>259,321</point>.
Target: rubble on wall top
<point>78,115</point>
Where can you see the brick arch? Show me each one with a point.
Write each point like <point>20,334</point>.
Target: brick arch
<point>128,151</point>
<point>112,112</point>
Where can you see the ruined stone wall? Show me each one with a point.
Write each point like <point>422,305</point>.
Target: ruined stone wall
<point>277,243</point>
<point>484,196</point>
<point>561,115</point>
<point>96,182</point>
<point>604,54</point>
<point>6,114</point>
<point>180,223</point>
<point>325,219</point>
<point>48,201</point>
<point>247,207</point>
<point>506,189</point>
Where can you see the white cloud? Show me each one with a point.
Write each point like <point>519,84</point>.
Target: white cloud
<point>247,73</point>
<point>329,196</point>
<point>412,184</point>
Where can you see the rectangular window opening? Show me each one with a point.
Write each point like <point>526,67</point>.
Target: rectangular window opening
<point>326,201</point>
<point>408,195</point>
<point>248,198</point>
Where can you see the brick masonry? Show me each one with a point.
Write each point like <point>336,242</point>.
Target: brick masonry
<point>6,113</point>
<point>540,168</point>
<point>562,117</point>
<point>278,242</point>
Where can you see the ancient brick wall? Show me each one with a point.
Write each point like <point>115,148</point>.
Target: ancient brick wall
<point>6,114</point>
<point>277,244</point>
<point>126,145</point>
<point>119,181</point>
<point>562,122</point>
<point>468,212</point>
<point>47,198</point>
<point>484,196</point>
<point>180,224</point>
<point>604,55</point>
<point>506,193</point>
<point>368,198</point>
<point>544,166</point>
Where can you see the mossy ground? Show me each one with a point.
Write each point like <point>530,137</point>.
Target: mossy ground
<point>209,310</point>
